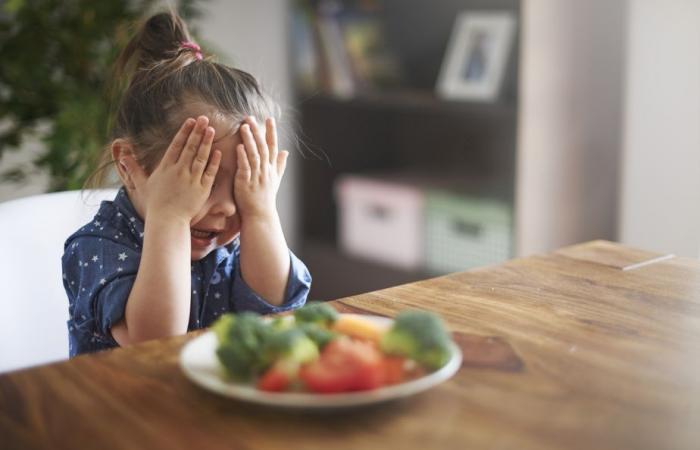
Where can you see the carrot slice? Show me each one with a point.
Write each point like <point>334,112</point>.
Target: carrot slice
<point>358,327</point>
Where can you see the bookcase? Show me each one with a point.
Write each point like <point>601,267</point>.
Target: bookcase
<point>404,130</point>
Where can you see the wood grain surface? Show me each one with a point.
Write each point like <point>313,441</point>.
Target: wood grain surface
<point>562,351</point>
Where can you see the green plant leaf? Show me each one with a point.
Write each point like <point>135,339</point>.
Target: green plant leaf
<point>12,6</point>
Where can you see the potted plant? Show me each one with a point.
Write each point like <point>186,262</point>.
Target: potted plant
<point>57,58</point>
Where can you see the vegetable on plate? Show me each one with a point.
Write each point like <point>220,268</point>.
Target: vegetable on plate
<point>318,350</point>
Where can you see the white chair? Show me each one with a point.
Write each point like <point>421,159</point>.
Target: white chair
<point>33,303</point>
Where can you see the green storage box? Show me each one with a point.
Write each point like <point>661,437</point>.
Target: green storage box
<point>464,232</point>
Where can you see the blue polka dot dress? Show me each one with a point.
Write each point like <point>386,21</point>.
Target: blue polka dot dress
<point>100,262</point>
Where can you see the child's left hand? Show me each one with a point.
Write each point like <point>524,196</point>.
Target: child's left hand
<point>261,167</point>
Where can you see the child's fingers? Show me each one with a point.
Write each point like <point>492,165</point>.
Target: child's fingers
<point>244,171</point>
<point>282,162</point>
<point>251,148</point>
<point>175,147</point>
<point>259,140</point>
<point>212,168</point>
<point>271,136</point>
<point>193,142</point>
<point>202,156</point>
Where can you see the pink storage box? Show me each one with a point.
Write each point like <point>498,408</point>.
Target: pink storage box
<point>381,220</point>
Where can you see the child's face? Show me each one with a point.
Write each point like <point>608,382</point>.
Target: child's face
<point>218,223</point>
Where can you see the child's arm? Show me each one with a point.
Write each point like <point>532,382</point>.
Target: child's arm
<point>159,302</point>
<point>265,257</point>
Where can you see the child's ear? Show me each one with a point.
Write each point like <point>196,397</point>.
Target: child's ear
<point>122,148</point>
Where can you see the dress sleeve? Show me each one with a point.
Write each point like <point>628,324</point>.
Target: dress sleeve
<point>98,275</point>
<point>298,286</point>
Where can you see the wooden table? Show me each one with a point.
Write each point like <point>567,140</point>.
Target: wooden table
<point>594,346</point>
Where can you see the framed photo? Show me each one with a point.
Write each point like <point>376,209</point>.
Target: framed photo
<point>476,56</point>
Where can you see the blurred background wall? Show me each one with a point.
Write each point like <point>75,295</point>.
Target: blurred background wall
<point>610,124</point>
<point>571,111</point>
<point>660,176</point>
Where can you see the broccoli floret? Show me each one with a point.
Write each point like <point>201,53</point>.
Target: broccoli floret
<point>291,345</point>
<point>316,312</point>
<point>236,361</point>
<point>320,335</point>
<point>418,335</point>
<point>241,338</point>
<point>223,326</point>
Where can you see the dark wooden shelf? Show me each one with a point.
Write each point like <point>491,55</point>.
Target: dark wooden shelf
<point>336,275</point>
<point>406,129</point>
<point>410,101</point>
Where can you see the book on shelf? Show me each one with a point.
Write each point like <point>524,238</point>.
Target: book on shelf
<point>373,64</point>
<point>338,75</point>
<point>340,48</point>
<point>305,61</point>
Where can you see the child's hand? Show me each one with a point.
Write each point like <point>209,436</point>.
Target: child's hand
<point>260,169</point>
<point>182,181</point>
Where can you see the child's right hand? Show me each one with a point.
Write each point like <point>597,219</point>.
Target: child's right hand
<point>181,183</point>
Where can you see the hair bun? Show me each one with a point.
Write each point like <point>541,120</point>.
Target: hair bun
<point>159,39</point>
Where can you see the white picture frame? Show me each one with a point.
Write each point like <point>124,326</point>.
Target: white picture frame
<point>476,56</point>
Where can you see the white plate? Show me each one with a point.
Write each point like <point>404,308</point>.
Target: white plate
<point>199,363</point>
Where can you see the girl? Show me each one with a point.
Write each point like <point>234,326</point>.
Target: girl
<point>194,230</point>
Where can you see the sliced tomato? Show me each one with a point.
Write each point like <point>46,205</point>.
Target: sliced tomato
<point>345,365</point>
<point>393,368</point>
<point>325,378</point>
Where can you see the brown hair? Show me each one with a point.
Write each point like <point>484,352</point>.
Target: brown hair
<point>163,81</point>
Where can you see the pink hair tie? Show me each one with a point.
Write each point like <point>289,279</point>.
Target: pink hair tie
<point>194,47</point>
